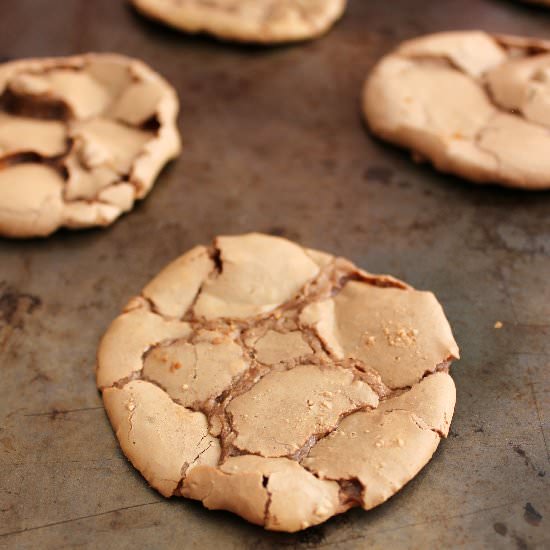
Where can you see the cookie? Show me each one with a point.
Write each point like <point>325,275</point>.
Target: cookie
<point>81,138</point>
<point>472,104</point>
<point>277,382</point>
<point>260,21</point>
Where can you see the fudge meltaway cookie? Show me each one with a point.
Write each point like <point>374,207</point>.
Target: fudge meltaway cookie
<point>260,21</point>
<point>473,104</point>
<point>81,138</point>
<point>277,382</point>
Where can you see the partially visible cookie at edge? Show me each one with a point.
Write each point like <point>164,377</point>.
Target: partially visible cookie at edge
<point>256,21</point>
<point>277,382</point>
<point>81,138</point>
<point>473,104</point>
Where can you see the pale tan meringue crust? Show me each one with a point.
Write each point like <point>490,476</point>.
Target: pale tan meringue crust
<point>277,382</point>
<point>81,138</point>
<point>473,104</point>
<point>260,21</point>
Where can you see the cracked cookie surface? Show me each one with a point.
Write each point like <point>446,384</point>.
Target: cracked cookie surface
<point>260,21</point>
<point>473,104</point>
<point>277,382</point>
<point>81,138</point>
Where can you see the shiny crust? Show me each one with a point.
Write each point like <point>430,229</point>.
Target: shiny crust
<point>304,387</point>
<point>90,155</point>
<point>259,21</point>
<point>485,115</point>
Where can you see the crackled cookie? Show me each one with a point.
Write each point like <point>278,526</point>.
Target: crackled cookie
<point>81,138</point>
<point>277,382</point>
<point>261,21</point>
<point>473,104</point>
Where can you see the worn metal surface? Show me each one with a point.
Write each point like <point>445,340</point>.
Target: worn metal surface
<point>274,142</point>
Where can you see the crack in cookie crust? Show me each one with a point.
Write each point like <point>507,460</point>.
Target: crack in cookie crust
<point>277,384</point>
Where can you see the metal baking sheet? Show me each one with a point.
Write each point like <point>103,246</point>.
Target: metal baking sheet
<point>274,142</point>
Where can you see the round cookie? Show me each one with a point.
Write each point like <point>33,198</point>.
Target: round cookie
<point>473,104</point>
<point>81,138</point>
<point>259,21</point>
<point>277,382</point>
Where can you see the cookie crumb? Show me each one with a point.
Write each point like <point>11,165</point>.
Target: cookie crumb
<point>498,324</point>
<point>369,340</point>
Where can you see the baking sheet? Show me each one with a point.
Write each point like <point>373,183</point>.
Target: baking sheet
<point>274,142</point>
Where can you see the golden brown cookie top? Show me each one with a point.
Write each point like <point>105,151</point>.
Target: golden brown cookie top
<point>263,359</point>
<point>80,139</point>
<point>261,21</point>
<point>473,104</point>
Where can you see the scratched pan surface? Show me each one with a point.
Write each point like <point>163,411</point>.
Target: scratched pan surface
<point>274,142</point>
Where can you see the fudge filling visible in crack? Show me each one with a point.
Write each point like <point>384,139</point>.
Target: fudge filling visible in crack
<point>81,138</point>
<point>277,382</point>
<point>473,104</point>
<point>260,21</point>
